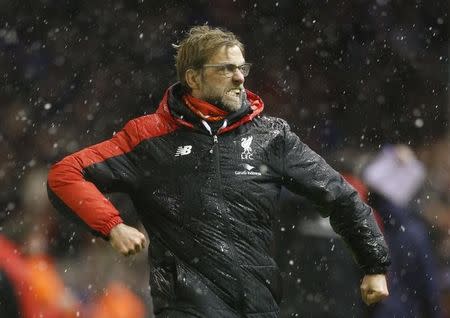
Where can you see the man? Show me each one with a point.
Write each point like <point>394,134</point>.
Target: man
<point>204,173</point>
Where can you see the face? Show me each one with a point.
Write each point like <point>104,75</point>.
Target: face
<point>218,89</point>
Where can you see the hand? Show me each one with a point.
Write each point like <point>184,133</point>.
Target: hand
<point>126,239</point>
<point>374,288</point>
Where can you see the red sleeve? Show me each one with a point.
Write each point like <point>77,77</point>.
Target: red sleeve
<point>66,180</point>
<point>75,183</point>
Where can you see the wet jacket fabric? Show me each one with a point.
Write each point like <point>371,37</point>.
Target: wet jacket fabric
<point>207,196</point>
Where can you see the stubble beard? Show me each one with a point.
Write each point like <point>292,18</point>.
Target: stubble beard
<point>227,103</point>
<point>231,105</point>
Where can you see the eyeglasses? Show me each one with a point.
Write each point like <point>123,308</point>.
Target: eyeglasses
<point>228,69</point>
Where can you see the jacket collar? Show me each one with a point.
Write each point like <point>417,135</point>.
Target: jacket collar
<point>172,104</point>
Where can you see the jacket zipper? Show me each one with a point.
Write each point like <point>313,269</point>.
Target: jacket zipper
<point>232,247</point>
<point>215,142</point>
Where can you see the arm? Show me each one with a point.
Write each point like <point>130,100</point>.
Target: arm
<point>76,185</point>
<point>306,173</point>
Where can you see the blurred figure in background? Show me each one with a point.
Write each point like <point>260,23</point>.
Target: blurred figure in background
<point>35,283</point>
<point>395,177</point>
<point>26,264</point>
<point>117,301</point>
<point>17,300</point>
<point>435,203</point>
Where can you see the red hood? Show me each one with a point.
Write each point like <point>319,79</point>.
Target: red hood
<point>256,105</point>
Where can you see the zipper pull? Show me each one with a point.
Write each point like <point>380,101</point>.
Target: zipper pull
<point>215,142</point>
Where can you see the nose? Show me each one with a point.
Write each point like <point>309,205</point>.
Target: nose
<point>238,77</point>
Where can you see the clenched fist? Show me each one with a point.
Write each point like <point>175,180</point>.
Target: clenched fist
<point>126,239</point>
<point>374,288</point>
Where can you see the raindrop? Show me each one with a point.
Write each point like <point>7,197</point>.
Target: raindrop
<point>381,99</point>
<point>418,122</point>
<point>10,206</point>
<point>47,106</point>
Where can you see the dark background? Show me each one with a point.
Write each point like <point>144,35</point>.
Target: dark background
<point>345,74</point>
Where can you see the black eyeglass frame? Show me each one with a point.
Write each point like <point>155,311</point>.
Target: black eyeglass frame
<point>228,69</point>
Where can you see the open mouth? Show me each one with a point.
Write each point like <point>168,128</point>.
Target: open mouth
<point>234,92</point>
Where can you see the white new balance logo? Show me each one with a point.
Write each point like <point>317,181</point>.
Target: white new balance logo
<point>183,150</point>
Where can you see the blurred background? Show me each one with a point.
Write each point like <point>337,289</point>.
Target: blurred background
<point>363,83</point>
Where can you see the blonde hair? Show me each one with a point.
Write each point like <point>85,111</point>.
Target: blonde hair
<point>200,43</point>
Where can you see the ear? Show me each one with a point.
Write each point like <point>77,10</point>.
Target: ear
<point>192,78</point>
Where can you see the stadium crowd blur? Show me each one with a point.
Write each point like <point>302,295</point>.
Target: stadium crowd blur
<point>349,76</point>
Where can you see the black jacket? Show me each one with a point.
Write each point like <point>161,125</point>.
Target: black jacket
<point>207,197</point>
